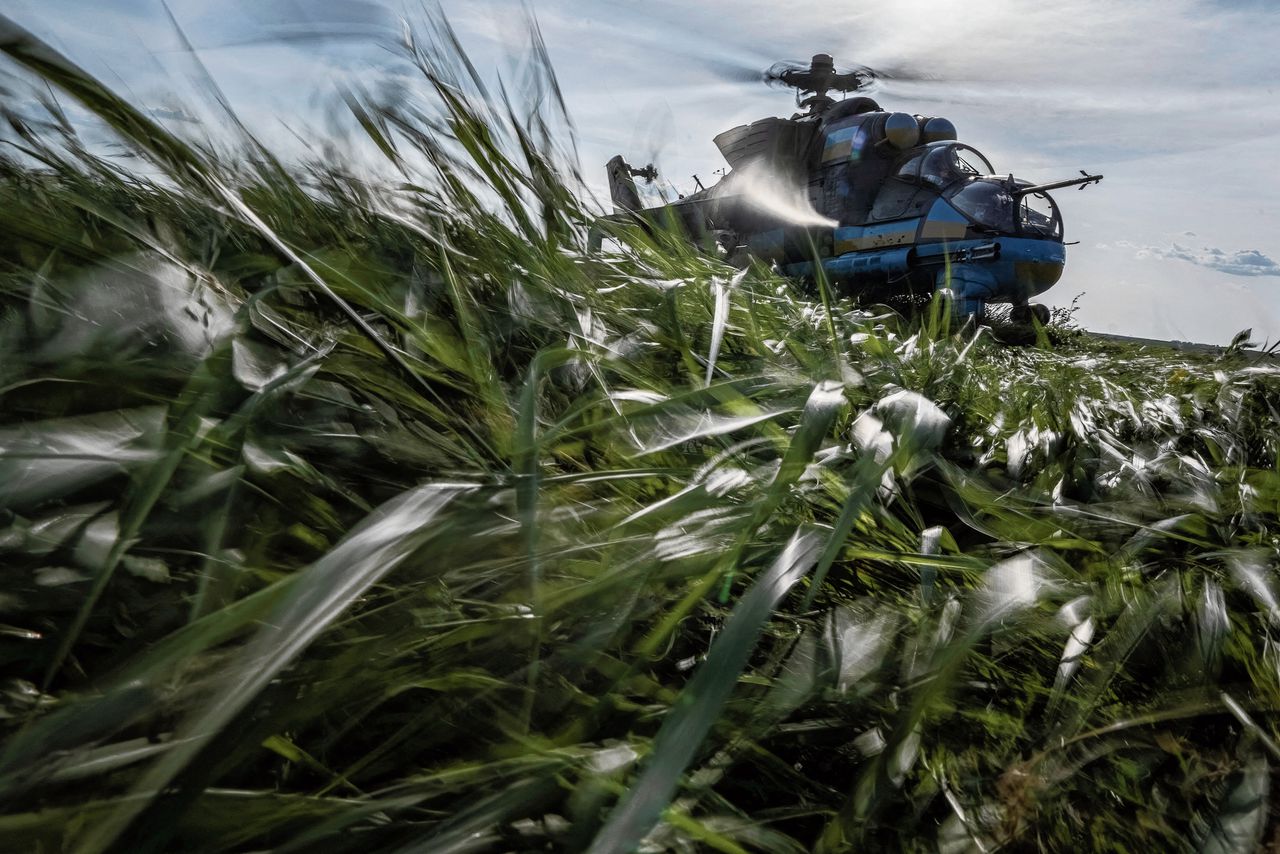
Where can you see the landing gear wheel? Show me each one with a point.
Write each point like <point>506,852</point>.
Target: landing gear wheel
<point>1021,315</point>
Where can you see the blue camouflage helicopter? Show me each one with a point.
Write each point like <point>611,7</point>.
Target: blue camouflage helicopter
<point>886,203</point>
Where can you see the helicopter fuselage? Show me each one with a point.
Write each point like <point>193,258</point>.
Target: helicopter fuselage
<point>880,202</point>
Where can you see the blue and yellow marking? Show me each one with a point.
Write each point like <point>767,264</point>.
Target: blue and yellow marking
<point>944,223</point>
<point>853,238</point>
<point>844,144</point>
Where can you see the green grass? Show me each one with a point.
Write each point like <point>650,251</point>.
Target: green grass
<point>339,516</point>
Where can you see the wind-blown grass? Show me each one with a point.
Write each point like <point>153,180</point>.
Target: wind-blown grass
<point>341,516</point>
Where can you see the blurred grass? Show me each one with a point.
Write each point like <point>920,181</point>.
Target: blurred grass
<point>343,515</point>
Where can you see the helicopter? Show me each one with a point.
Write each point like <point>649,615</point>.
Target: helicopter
<point>881,203</point>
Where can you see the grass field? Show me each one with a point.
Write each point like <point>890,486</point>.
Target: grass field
<point>339,516</point>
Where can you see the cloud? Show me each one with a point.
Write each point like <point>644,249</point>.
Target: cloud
<point>1242,262</point>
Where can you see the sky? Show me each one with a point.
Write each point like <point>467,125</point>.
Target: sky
<point>1177,102</point>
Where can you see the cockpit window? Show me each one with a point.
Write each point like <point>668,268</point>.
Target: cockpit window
<point>947,164</point>
<point>987,203</point>
<point>993,204</point>
<point>973,160</point>
<point>909,170</point>
<point>941,164</point>
<point>1038,216</point>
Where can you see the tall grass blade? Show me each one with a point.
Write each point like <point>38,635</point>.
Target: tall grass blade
<point>318,597</point>
<point>698,707</point>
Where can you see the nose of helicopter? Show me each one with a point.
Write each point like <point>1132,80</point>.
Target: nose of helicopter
<point>1034,265</point>
<point>1027,266</point>
<point>1038,276</point>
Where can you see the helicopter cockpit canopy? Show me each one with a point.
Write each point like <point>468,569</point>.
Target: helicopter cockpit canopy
<point>941,164</point>
<point>965,178</point>
<point>991,204</point>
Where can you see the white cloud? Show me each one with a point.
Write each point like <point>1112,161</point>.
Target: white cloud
<point>1241,262</point>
